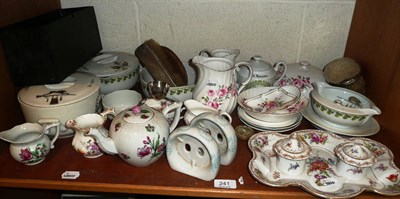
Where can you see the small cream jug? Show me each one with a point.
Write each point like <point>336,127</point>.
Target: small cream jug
<point>216,86</point>
<point>230,54</point>
<point>29,143</point>
<point>86,145</point>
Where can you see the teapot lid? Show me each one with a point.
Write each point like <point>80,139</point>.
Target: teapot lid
<point>110,63</point>
<point>138,114</point>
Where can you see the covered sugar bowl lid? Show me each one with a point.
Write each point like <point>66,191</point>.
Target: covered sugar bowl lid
<point>293,148</point>
<point>261,67</point>
<point>355,154</point>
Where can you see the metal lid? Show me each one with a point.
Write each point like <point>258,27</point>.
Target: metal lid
<point>111,64</point>
<point>74,88</point>
<point>293,148</point>
<point>355,154</point>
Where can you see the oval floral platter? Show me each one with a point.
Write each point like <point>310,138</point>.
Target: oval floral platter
<point>320,176</point>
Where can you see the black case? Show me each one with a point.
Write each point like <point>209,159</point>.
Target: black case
<point>48,48</point>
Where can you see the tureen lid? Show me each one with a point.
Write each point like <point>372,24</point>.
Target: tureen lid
<point>111,63</point>
<point>355,154</point>
<point>293,148</point>
<point>74,88</point>
<point>302,75</point>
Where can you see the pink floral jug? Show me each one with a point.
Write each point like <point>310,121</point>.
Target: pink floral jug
<point>216,86</point>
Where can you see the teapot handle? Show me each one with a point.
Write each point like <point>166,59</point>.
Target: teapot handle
<point>280,67</point>
<point>248,79</point>
<point>50,123</point>
<point>177,115</point>
<point>108,111</point>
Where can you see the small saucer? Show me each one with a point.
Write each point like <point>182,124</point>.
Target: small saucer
<point>242,114</point>
<point>371,127</point>
<point>264,126</point>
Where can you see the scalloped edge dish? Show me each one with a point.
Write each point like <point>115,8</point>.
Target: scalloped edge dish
<point>320,176</point>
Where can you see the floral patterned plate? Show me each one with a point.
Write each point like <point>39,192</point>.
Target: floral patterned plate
<point>320,176</point>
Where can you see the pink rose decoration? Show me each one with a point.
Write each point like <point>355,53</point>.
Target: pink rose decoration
<point>136,110</point>
<point>211,93</point>
<point>25,154</point>
<point>222,92</point>
<point>213,104</point>
<point>143,152</point>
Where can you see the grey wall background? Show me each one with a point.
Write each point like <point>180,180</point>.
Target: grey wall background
<point>289,30</point>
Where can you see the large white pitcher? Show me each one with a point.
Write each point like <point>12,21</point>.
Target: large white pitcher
<point>216,86</point>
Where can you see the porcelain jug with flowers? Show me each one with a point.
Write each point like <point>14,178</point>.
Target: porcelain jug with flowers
<point>216,85</point>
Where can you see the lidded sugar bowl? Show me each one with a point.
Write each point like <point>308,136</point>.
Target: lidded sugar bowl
<point>264,74</point>
<point>354,159</point>
<point>292,153</point>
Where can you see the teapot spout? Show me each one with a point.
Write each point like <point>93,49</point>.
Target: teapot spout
<point>105,143</point>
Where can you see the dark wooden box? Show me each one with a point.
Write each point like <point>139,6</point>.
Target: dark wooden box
<point>48,48</point>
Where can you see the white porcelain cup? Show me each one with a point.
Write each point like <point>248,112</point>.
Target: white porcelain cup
<point>121,100</point>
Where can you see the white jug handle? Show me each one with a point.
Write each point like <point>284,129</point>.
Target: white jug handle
<point>177,115</point>
<point>226,116</point>
<point>205,53</point>
<point>248,79</point>
<point>50,123</point>
<point>280,67</point>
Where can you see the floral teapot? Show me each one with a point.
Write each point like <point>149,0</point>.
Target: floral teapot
<point>138,135</point>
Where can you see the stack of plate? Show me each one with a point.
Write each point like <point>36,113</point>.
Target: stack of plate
<point>261,125</point>
<point>371,127</point>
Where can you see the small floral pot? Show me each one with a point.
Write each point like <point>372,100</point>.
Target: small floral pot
<point>83,144</point>
<point>292,154</point>
<point>354,160</point>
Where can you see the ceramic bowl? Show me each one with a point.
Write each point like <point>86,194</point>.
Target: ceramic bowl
<point>341,106</point>
<point>178,94</point>
<point>121,100</point>
<point>288,113</point>
<point>116,70</point>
